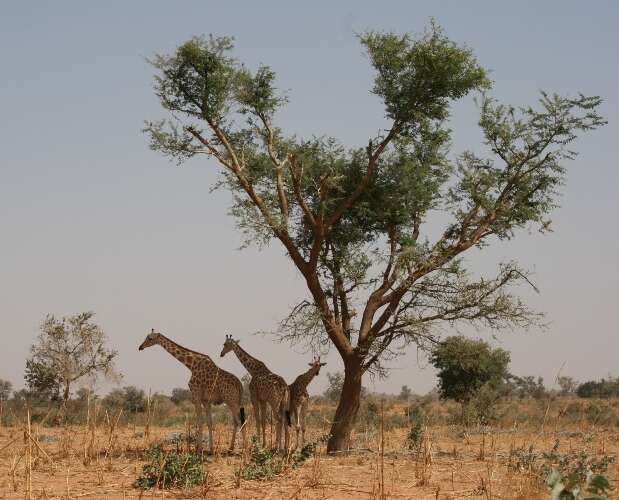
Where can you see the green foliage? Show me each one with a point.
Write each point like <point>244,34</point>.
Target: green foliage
<point>353,220</point>
<point>567,385</point>
<point>334,387</point>
<point>418,78</point>
<point>179,395</point>
<point>263,464</point>
<point>605,388</point>
<point>129,398</point>
<point>574,466</point>
<point>43,380</point>
<point>6,388</point>
<point>417,418</point>
<point>306,452</point>
<point>67,350</point>
<point>465,366</point>
<point>523,459</point>
<point>405,393</point>
<point>170,470</point>
<point>570,476</point>
<point>527,387</point>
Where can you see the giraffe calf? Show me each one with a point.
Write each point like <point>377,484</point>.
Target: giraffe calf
<point>299,398</point>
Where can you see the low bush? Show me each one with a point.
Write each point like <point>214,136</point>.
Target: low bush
<point>170,470</point>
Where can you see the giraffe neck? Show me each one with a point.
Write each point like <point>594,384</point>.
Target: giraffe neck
<point>252,365</point>
<point>184,355</point>
<point>303,380</point>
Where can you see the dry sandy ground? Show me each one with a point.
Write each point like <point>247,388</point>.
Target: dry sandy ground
<point>454,465</point>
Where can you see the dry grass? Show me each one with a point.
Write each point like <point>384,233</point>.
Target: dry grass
<point>102,457</point>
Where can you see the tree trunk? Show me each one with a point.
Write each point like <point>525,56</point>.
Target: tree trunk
<point>347,408</point>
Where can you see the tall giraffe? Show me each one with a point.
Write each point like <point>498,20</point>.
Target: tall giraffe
<point>209,384</point>
<point>265,388</point>
<point>299,398</point>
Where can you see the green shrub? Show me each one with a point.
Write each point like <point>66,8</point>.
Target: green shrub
<point>262,464</point>
<point>417,418</point>
<point>300,456</point>
<point>170,470</point>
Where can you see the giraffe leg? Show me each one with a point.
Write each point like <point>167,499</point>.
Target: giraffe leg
<point>256,406</point>
<point>285,426</point>
<point>285,418</point>
<point>199,422</point>
<point>302,418</point>
<point>263,422</point>
<point>295,418</point>
<point>235,422</point>
<point>277,414</point>
<point>209,422</point>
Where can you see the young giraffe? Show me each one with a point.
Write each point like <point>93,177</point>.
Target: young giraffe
<point>209,384</point>
<point>265,388</point>
<point>299,398</point>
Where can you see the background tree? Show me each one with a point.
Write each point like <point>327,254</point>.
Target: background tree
<point>353,221</point>
<point>68,350</point>
<point>405,393</point>
<point>179,395</point>
<point>605,388</point>
<point>334,386</point>
<point>527,387</point>
<point>465,366</point>
<point>129,398</point>
<point>6,388</point>
<point>567,385</point>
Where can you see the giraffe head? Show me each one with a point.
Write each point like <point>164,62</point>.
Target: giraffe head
<point>316,365</point>
<point>229,344</point>
<point>151,339</point>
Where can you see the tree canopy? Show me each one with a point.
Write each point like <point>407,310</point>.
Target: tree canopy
<point>353,220</point>
<point>466,365</point>
<point>67,350</point>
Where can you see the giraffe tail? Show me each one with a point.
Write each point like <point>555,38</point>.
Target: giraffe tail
<point>242,415</point>
<point>288,419</point>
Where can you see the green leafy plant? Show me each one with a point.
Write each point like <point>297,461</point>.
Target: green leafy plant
<point>570,476</point>
<point>263,465</point>
<point>574,466</point>
<point>170,470</point>
<point>597,487</point>
<point>418,422</point>
<point>300,456</point>
<point>523,459</point>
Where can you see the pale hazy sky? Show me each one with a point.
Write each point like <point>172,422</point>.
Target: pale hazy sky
<point>91,219</point>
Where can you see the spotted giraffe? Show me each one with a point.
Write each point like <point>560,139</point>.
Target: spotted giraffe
<point>265,388</point>
<point>209,384</point>
<point>299,398</point>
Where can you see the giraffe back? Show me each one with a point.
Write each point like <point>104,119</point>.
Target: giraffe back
<point>215,385</point>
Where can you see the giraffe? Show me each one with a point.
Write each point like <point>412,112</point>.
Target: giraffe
<point>209,384</point>
<point>299,398</point>
<point>265,388</point>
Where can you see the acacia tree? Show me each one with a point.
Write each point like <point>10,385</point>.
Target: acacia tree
<point>465,365</point>
<point>67,350</point>
<point>352,221</point>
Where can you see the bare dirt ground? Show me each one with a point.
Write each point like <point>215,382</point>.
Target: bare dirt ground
<point>104,461</point>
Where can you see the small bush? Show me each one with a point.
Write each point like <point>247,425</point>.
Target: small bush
<point>574,467</point>
<point>170,470</point>
<point>263,465</point>
<point>417,418</point>
<point>300,456</point>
